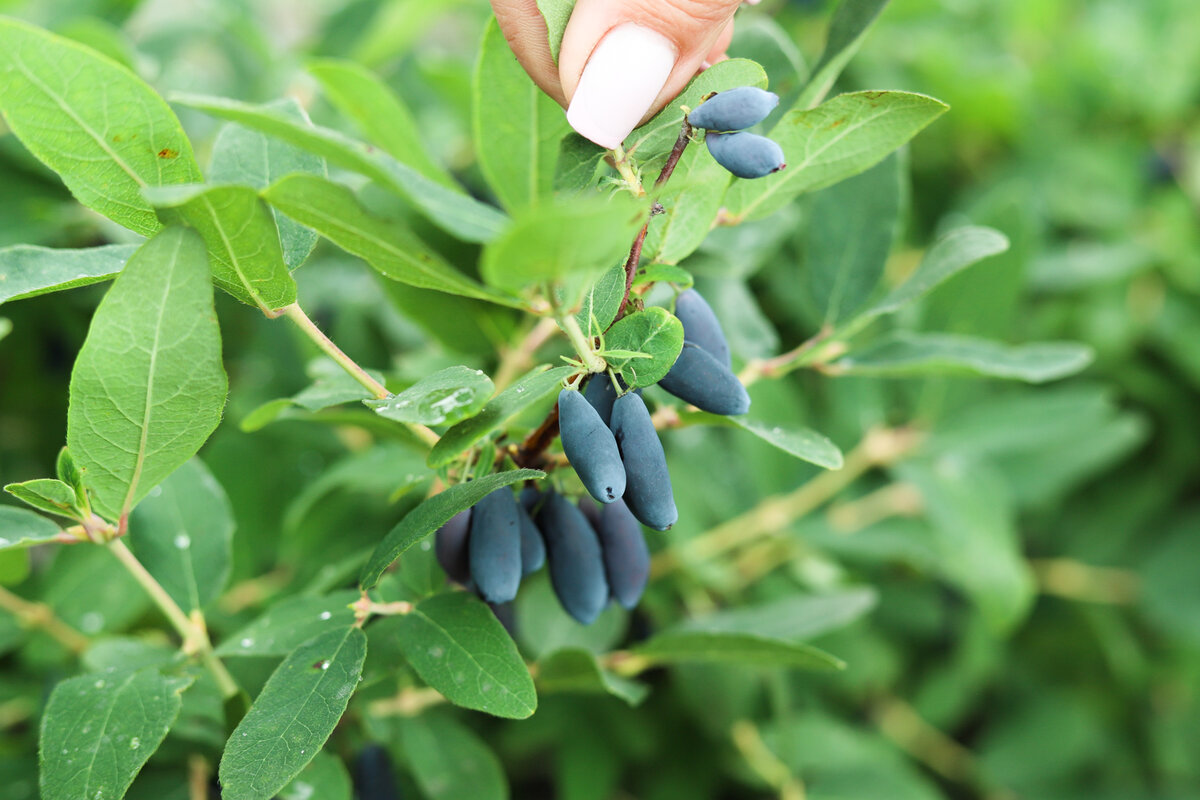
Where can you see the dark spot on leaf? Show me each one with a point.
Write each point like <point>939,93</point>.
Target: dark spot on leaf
<point>839,122</point>
<point>116,137</point>
<point>167,152</point>
<point>322,664</point>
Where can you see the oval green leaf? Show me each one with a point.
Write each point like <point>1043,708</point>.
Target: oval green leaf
<point>291,623</point>
<point>654,332</point>
<point>444,398</point>
<point>100,127</point>
<point>293,716</point>
<point>28,271</point>
<point>99,729</point>
<point>21,528</point>
<point>526,391</point>
<point>148,385</point>
<point>457,646</point>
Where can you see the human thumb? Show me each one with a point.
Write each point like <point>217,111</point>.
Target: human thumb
<point>624,59</point>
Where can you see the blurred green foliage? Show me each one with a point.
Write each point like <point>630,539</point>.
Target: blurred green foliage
<point>1074,129</point>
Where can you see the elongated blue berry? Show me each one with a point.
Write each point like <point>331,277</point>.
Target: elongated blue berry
<point>533,549</point>
<point>576,563</point>
<point>707,384</point>
<point>746,155</point>
<point>373,777</point>
<point>590,510</point>
<point>450,547</point>
<point>495,546</point>
<point>700,325</point>
<point>626,557</point>
<point>590,447</point>
<point>648,484</point>
<point>601,394</point>
<point>734,110</point>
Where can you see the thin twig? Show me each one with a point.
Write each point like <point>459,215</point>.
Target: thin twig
<point>41,616</point>
<point>310,329</point>
<point>664,175</point>
<point>879,447</point>
<point>192,631</point>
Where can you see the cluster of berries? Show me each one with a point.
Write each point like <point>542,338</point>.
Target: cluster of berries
<point>725,116</point>
<point>595,553</point>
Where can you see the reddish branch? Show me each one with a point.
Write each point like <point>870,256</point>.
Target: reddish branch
<point>635,252</point>
<point>529,452</point>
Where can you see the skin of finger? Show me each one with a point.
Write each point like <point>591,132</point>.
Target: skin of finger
<point>693,26</point>
<point>717,52</point>
<point>525,30</point>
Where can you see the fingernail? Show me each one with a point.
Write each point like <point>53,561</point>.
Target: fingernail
<point>623,77</point>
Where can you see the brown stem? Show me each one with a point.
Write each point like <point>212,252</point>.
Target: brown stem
<point>635,252</point>
<point>529,454</point>
<point>39,615</point>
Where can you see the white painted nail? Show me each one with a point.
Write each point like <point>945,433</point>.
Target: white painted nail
<point>623,77</point>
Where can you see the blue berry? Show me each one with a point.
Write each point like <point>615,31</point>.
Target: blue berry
<point>734,110</point>
<point>746,155</point>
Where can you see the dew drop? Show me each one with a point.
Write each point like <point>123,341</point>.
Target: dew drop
<point>135,743</point>
<point>326,614</point>
<point>91,622</point>
<point>436,652</point>
<point>100,684</point>
<point>156,491</point>
<point>247,642</point>
<point>183,541</point>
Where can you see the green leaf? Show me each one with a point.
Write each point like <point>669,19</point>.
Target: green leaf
<point>543,627</point>
<point>148,385</point>
<point>949,255</point>
<point>691,647</point>
<point>240,233</point>
<point>601,302</point>
<point>691,199</point>
<point>325,778</point>
<point>95,123</point>
<point>449,209</point>
<point>450,762</point>
<point>517,127</point>
<point>457,646</point>
<point>183,535</point>
<point>792,618</point>
<point>576,237</point>
<point>655,332</point>
<point>557,14</point>
<point>579,161</point>
<point>293,716</point>
<point>46,494</point>
<point>391,249</point>
<point>851,22</point>
<point>576,670</point>
<point>21,528</point>
<point>28,271</point>
<point>291,623</point>
<point>657,137</point>
<point>433,514</point>
<point>331,386</point>
<point>903,353</point>
<point>248,158</point>
<point>5,327</point>
<point>444,398</point>
<point>849,233</point>
<point>98,730</point>
<point>364,97</point>
<point>667,273</point>
<point>803,443</point>
<point>976,536</point>
<point>834,141</point>
<point>525,391</point>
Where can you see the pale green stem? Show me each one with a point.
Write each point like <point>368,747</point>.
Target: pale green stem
<point>302,320</point>
<point>195,637</point>
<point>591,360</point>
<point>39,615</point>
